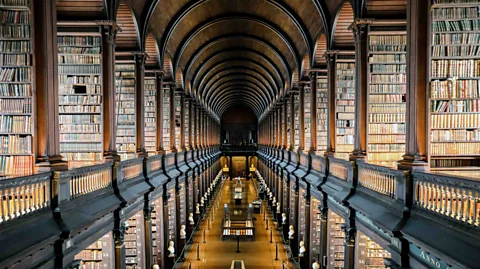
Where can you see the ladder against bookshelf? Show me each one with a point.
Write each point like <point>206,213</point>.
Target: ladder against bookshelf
<point>336,236</point>
<point>125,108</point>
<point>307,115</point>
<point>80,95</point>
<point>322,113</point>
<point>386,96</point>
<point>98,255</point>
<point>150,89</point>
<point>345,108</point>
<point>166,116</point>
<point>16,98</point>
<point>369,254</point>
<point>454,85</point>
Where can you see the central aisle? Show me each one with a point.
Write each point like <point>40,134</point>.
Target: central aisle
<point>219,254</point>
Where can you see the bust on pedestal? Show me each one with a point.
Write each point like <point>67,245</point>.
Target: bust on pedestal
<point>171,249</point>
<point>183,233</point>
<point>190,218</point>
<point>315,265</point>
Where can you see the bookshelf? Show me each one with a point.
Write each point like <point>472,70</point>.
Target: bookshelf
<point>125,108</point>
<point>171,214</point>
<point>150,89</point>
<point>301,215</point>
<point>182,205</point>
<point>156,231</point>
<point>369,255</point>
<point>177,104</point>
<point>285,194</point>
<point>166,116</point>
<point>186,121</point>
<point>134,242</point>
<point>80,96</point>
<point>386,96</point>
<point>316,228</point>
<point>454,103</point>
<point>307,115</point>
<point>322,113</point>
<point>16,89</point>
<point>336,246</point>
<point>296,121</point>
<point>345,108</point>
<point>289,120</point>
<point>292,204</point>
<point>98,255</point>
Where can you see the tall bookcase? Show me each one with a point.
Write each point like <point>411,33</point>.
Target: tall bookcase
<point>322,112</point>
<point>80,94</point>
<point>345,107</point>
<point>287,124</point>
<point>186,121</point>
<point>171,215</point>
<point>178,118</point>
<point>387,94</point>
<point>134,242</point>
<point>150,89</point>
<point>166,116</point>
<point>156,231</point>
<point>307,115</point>
<point>16,98</point>
<point>296,121</point>
<point>336,246</point>
<point>98,255</point>
<point>302,215</point>
<point>125,107</point>
<point>369,254</point>
<point>316,231</point>
<point>454,103</point>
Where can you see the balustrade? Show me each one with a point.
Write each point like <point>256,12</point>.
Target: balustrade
<point>23,195</point>
<point>454,198</point>
<point>383,180</point>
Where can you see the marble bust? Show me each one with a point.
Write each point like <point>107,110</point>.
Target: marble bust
<point>284,218</point>
<point>315,265</point>
<point>183,233</point>
<point>291,233</point>
<point>197,209</point>
<point>278,208</point>
<point>155,266</point>
<point>190,218</point>
<point>301,251</point>
<point>171,249</point>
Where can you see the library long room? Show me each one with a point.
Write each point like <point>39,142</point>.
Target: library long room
<point>323,134</point>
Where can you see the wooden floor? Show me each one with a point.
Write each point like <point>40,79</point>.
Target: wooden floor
<point>216,253</point>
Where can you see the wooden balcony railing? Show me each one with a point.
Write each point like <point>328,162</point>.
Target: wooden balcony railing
<point>81,181</point>
<point>23,195</point>
<point>341,169</point>
<point>454,198</point>
<point>383,180</point>
<point>129,169</point>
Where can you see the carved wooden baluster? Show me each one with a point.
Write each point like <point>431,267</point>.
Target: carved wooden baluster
<point>454,203</point>
<point>459,204</point>
<point>41,196</point>
<point>11,208</point>
<point>47,194</point>
<point>22,200</point>
<point>72,187</point>
<point>83,185</point>
<point>449,201</point>
<point>16,201</point>
<point>471,207</point>
<point>88,183</point>
<point>429,196</point>
<point>28,198</point>
<point>7,204</point>
<point>419,193</point>
<point>465,204</point>
<point>476,212</point>
<point>436,194</point>
<point>2,212</point>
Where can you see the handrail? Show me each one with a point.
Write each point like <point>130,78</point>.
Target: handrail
<point>384,180</point>
<point>84,180</point>
<point>21,196</point>
<point>454,198</point>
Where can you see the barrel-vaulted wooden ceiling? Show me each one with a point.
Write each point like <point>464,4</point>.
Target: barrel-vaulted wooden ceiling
<point>228,52</point>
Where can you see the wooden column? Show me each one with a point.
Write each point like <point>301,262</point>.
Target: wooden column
<point>417,68</point>
<point>159,101</point>
<point>360,32</point>
<point>331,70</point>
<point>119,240</point>
<point>46,87</point>
<point>292,121</point>
<point>147,213</point>
<point>172,117</point>
<point>285,122</point>
<point>302,117</point>
<point>140,58</point>
<point>350,233</point>
<point>313,111</point>
<point>182,121</point>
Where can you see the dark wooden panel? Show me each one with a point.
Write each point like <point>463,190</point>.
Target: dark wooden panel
<point>167,66</point>
<point>320,48</point>
<point>342,36</point>
<point>128,37</point>
<point>80,10</point>
<point>152,51</point>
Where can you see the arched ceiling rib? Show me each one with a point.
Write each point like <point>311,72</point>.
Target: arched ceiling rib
<point>258,43</point>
